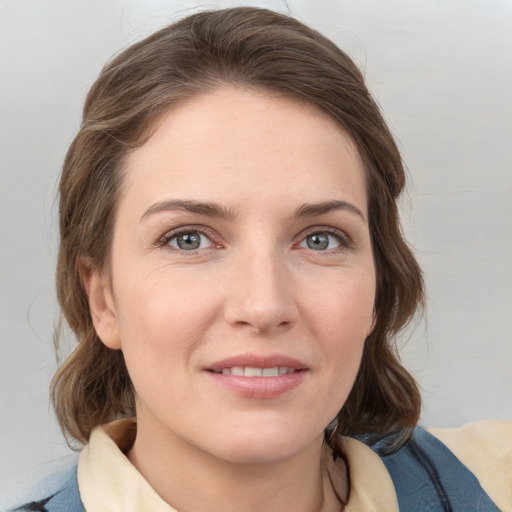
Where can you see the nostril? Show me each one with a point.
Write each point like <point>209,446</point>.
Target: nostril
<point>249,309</point>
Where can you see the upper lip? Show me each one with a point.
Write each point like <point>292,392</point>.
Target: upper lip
<point>257,361</point>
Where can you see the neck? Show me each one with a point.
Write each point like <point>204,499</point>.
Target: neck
<point>191,480</point>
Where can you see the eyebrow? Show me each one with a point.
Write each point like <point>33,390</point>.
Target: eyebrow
<point>312,210</point>
<point>216,210</point>
<point>199,207</point>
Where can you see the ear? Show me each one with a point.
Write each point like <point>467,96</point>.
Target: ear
<point>101,304</point>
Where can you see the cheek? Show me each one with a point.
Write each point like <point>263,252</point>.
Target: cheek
<point>160,330</point>
<point>342,318</point>
<point>162,318</point>
<point>344,307</point>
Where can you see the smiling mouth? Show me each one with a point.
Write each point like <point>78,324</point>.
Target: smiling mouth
<point>258,377</point>
<point>251,371</point>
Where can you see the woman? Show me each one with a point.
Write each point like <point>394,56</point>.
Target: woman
<point>232,264</point>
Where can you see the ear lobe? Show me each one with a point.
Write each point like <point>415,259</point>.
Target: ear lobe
<point>101,304</point>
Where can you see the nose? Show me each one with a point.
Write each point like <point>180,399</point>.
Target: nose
<point>261,293</point>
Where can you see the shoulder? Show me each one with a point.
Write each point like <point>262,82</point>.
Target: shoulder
<point>59,494</point>
<point>453,467</point>
<point>485,448</point>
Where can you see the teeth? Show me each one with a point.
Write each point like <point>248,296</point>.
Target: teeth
<point>250,371</point>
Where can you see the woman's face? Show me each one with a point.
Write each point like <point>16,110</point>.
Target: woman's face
<point>242,280</point>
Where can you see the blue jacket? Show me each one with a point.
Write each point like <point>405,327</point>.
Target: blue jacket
<point>426,474</point>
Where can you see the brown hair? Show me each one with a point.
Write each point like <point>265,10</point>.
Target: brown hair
<point>253,48</point>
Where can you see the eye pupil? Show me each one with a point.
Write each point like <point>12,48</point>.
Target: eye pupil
<point>188,241</point>
<point>318,241</point>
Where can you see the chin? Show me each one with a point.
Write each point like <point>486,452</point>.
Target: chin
<point>263,445</point>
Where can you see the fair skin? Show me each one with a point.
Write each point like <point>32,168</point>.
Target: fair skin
<point>241,243</point>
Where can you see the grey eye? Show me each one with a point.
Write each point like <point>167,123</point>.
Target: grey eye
<point>190,241</point>
<point>320,241</point>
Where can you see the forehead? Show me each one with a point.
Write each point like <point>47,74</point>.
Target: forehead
<point>234,145</point>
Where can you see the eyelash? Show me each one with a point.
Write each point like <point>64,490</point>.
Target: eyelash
<point>164,241</point>
<point>345,242</point>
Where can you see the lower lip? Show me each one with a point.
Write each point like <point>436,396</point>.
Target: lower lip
<point>259,387</point>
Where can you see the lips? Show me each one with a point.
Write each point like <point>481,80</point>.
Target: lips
<point>252,371</point>
<point>257,361</point>
<point>258,377</point>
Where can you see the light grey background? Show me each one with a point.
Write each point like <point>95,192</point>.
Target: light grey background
<point>442,72</point>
